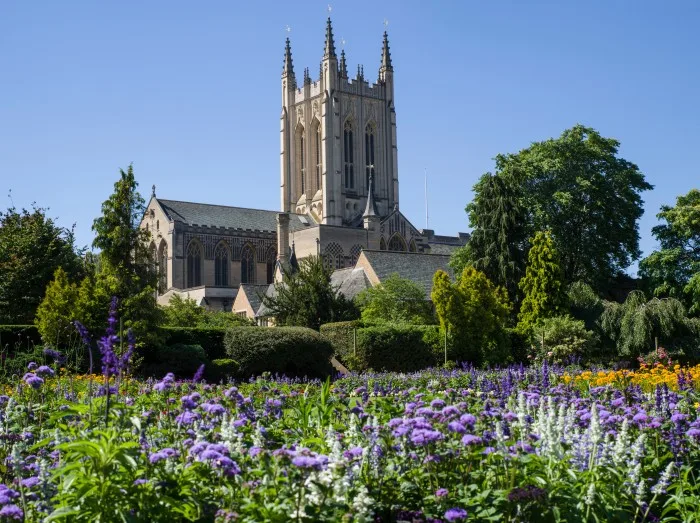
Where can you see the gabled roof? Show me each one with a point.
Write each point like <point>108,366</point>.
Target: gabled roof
<point>254,293</point>
<point>415,266</point>
<point>271,292</point>
<point>227,217</point>
<point>350,282</point>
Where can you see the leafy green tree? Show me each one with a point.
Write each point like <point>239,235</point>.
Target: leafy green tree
<point>585,304</point>
<point>125,261</point>
<point>475,313</point>
<point>306,297</point>
<point>395,300</point>
<point>674,269</point>
<point>184,312</point>
<point>543,284</point>
<point>561,339</point>
<point>637,324</point>
<point>56,312</point>
<point>32,247</point>
<point>499,235</point>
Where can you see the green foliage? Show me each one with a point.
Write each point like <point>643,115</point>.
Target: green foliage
<point>211,339</point>
<point>292,351</point>
<point>306,298</point>
<point>180,359</point>
<point>635,324</point>
<point>674,270</point>
<point>585,304</point>
<point>475,312</point>
<point>222,369</point>
<point>396,300</point>
<point>186,313</point>
<point>18,337</point>
<point>343,337</point>
<point>543,286</point>
<point>55,313</point>
<point>32,248</point>
<point>561,339</point>
<point>498,241</point>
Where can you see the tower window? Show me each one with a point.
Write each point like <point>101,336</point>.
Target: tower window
<point>194,264</point>
<point>348,156</point>
<point>247,264</point>
<point>301,160</point>
<point>270,264</point>
<point>318,156</point>
<point>303,167</point>
<point>163,266</point>
<point>369,153</point>
<point>221,265</point>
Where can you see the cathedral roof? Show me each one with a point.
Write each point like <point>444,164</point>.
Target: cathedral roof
<point>223,216</point>
<point>417,267</point>
<point>254,293</point>
<point>350,282</point>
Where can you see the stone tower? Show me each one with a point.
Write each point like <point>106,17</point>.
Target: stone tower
<point>336,134</point>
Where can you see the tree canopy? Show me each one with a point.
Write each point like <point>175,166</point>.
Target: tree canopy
<point>307,298</point>
<point>184,312</point>
<point>32,247</point>
<point>395,300</point>
<point>674,269</point>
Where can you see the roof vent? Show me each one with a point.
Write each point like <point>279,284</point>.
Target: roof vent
<point>303,220</point>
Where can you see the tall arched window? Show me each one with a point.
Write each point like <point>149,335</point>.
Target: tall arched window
<point>153,258</point>
<point>382,244</point>
<point>194,264</point>
<point>163,266</point>
<point>334,257</point>
<point>270,260</point>
<point>412,246</point>
<point>248,264</point>
<point>316,130</point>
<point>397,243</point>
<point>348,156</point>
<point>369,152</point>
<point>221,265</point>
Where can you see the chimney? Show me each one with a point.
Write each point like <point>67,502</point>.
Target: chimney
<point>282,235</point>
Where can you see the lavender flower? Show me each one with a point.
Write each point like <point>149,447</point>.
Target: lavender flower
<point>456,514</point>
<point>198,375</point>
<point>44,370</point>
<point>33,380</point>
<point>12,512</point>
<point>54,355</point>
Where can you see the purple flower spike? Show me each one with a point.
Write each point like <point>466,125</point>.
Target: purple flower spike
<point>198,375</point>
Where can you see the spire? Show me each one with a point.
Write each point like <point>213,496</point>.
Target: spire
<point>360,73</point>
<point>343,65</point>
<point>293,264</point>
<point>153,191</point>
<point>288,69</point>
<point>371,208</point>
<point>386,55</point>
<point>329,48</point>
<point>307,77</point>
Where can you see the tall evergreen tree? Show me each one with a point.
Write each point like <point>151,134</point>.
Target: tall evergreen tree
<point>499,236</point>
<point>543,284</point>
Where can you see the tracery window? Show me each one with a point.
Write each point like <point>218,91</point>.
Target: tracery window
<point>301,159</point>
<point>412,246</point>
<point>369,152</point>
<point>248,264</point>
<point>397,243</point>
<point>334,257</point>
<point>317,136</point>
<point>194,264</point>
<point>382,244</point>
<point>348,151</point>
<point>355,254</point>
<point>163,267</point>
<point>221,265</point>
<point>270,260</point>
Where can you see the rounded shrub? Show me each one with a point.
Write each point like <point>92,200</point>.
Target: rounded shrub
<point>292,351</point>
<point>221,369</point>
<point>180,359</point>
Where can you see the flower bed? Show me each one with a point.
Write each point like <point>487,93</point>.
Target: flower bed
<point>514,445</point>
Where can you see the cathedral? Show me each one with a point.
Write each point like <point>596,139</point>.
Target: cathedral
<point>339,198</point>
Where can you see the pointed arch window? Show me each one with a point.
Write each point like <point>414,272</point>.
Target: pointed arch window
<point>348,152</point>
<point>153,258</point>
<point>334,258</point>
<point>163,267</point>
<point>369,152</point>
<point>270,260</point>
<point>301,159</point>
<point>194,264</point>
<point>397,243</point>
<point>248,264</point>
<point>412,246</point>
<point>221,265</point>
<point>317,152</point>
<point>382,244</point>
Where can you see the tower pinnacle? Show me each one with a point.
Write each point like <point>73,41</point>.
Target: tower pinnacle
<point>343,65</point>
<point>329,48</point>
<point>288,68</point>
<point>371,208</point>
<point>386,55</point>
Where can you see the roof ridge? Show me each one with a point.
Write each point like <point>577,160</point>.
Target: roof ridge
<point>227,206</point>
<point>406,252</point>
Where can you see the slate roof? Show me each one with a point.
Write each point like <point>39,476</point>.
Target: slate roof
<point>223,216</point>
<point>254,294</point>
<point>350,282</point>
<point>443,248</point>
<point>263,310</point>
<point>415,266</point>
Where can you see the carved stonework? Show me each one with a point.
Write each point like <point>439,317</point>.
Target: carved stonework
<point>300,115</point>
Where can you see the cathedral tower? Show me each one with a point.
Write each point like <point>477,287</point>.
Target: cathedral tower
<point>336,134</point>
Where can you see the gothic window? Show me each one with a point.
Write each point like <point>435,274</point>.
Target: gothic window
<point>369,152</point>
<point>270,260</point>
<point>248,264</point>
<point>355,254</point>
<point>412,246</point>
<point>221,265</point>
<point>382,244</point>
<point>152,259</point>
<point>396,243</point>
<point>194,264</point>
<point>334,257</point>
<point>317,151</point>
<point>301,157</point>
<point>348,156</point>
<point>163,267</point>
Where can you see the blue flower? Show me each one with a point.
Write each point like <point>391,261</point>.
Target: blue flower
<point>33,380</point>
<point>456,514</point>
<point>12,512</point>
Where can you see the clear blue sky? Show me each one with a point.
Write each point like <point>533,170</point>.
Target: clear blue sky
<point>190,93</point>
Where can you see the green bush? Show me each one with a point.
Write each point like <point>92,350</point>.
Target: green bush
<point>397,348</point>
<point>340,334</point>
<point>211,339</point>
<point>180,359</point>
<point>560,339</point>
<point>293,351</point>
<point>222,369</point>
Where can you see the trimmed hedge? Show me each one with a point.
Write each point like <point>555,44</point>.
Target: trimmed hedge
<point>180,359</point>
<point>220,370</point>
<point>13,337</point>
<point>399,348</point>
<point>211,339</point>
<point>292,351</point>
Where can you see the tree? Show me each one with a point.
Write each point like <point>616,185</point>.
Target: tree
<point>395,300</point>
<point>560,339</point>
<point>475,312</point>
<point>32,247</point>
<point>126,268</point>
<point>306,297</point>
<point>577,187</point>
<point>499,238</point>
<point>674,270</point>
<point>543,284</point>
<point>56,311</point>
<point>186,313</point>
